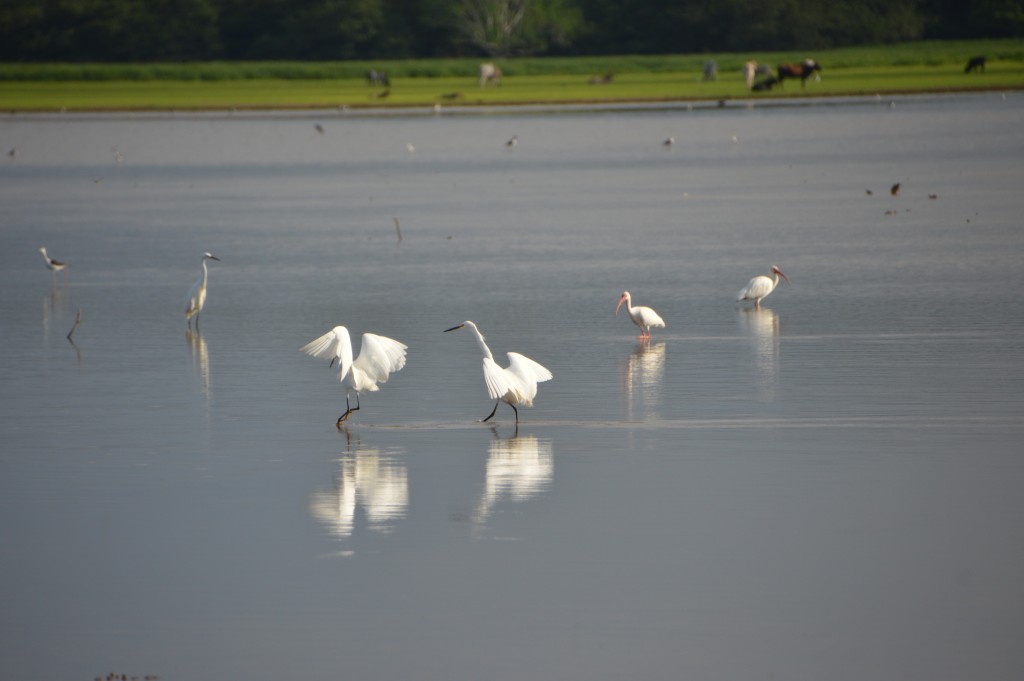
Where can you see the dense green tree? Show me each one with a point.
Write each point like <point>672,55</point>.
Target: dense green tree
<point>151,30</point>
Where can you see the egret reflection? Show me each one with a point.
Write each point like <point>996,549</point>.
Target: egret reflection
<point>642,376</point>
<point>518,468</point>
<point>761,326</point>
<point>200,360</point>
<point>368,478</point>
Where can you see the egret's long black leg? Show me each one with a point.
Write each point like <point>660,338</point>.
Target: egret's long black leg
<point>517,414</point>
<point>493,412</point>
<point>348,410</point>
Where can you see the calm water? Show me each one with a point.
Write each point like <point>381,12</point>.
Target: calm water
<point>827,488</point>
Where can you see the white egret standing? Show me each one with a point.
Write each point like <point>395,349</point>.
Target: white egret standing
<point>196,298</point>
<point>378,358</point>
<point>514,385</point>
<point>54,266</point>
<point>642,316</point>
<point>760,286</point>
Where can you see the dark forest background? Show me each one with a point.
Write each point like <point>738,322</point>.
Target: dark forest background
<point>202,30</point>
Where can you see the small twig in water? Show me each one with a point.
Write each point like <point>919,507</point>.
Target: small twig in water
<point>78,320</point>
<point>398,228</point>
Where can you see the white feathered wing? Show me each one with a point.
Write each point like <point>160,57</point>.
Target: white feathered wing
<point>516,385</point>
<point>379,357</point>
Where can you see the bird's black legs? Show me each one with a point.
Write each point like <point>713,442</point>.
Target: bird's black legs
<point>348,410</point>
<point>494,411</point>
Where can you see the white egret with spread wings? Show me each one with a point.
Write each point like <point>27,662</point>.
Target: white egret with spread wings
<point>379,357</point>
<point>514,385</point>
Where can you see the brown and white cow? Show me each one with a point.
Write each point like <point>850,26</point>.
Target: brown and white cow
<point>803,71</point>
<point>489,73</point>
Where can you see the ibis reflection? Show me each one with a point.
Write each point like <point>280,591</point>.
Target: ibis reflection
<point>368,478</point>
<point>518,468</point>
<point>761,326</point>
<point>642,376</point>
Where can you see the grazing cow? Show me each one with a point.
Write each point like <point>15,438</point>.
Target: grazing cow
<point>710,70</point>
<point>803,71</point>
<point>374,77</point>
<point>975,64</point>
<point>765,84</point>
<point>489,73</point>
<point>749,71</point>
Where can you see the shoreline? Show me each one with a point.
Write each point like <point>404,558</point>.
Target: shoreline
<point>510,107</point>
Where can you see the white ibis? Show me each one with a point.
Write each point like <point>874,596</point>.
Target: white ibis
<point>760,286</point>
<point>642,316</point>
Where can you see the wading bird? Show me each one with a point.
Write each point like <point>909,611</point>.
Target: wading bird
<point>378,358</point>
<point>514,385</point>
<point>642,316</point>
<point>54,266</point>
<point>760,286</point>
<point>196,298</point>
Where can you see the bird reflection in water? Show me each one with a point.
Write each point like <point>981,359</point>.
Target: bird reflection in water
<point>368,478</point>
<point>200,360</point>
<point>642,374</point>
<point>518,467</point>
<point>56,307</point>
<point>761,326</point>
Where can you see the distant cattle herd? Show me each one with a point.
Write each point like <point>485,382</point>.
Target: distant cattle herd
<point>758,77</point>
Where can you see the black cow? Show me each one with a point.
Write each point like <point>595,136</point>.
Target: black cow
<point>975,64</point>
<point>803,71</point>
<point>765,84</point>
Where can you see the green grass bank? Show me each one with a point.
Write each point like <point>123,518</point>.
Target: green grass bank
<point>888,69</point>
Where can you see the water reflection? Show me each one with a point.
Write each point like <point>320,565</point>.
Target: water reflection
<point>200,360</point>
<point>56,303</point>
<point>761,325</point>
<point>518,467</point>
<point>643,375</point>
<point>368,478</point>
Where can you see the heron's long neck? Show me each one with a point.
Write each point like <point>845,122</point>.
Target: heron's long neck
<point>204,272</point>
<point>483,345</point>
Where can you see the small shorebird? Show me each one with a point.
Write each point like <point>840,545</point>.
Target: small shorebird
<point>53,265</point>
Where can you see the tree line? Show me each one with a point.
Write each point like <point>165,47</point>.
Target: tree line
<point>204,30</point>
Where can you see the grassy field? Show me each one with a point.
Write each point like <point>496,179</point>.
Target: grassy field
<point>914,67</point>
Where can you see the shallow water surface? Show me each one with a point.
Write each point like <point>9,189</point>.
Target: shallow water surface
<point>827,487</point>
